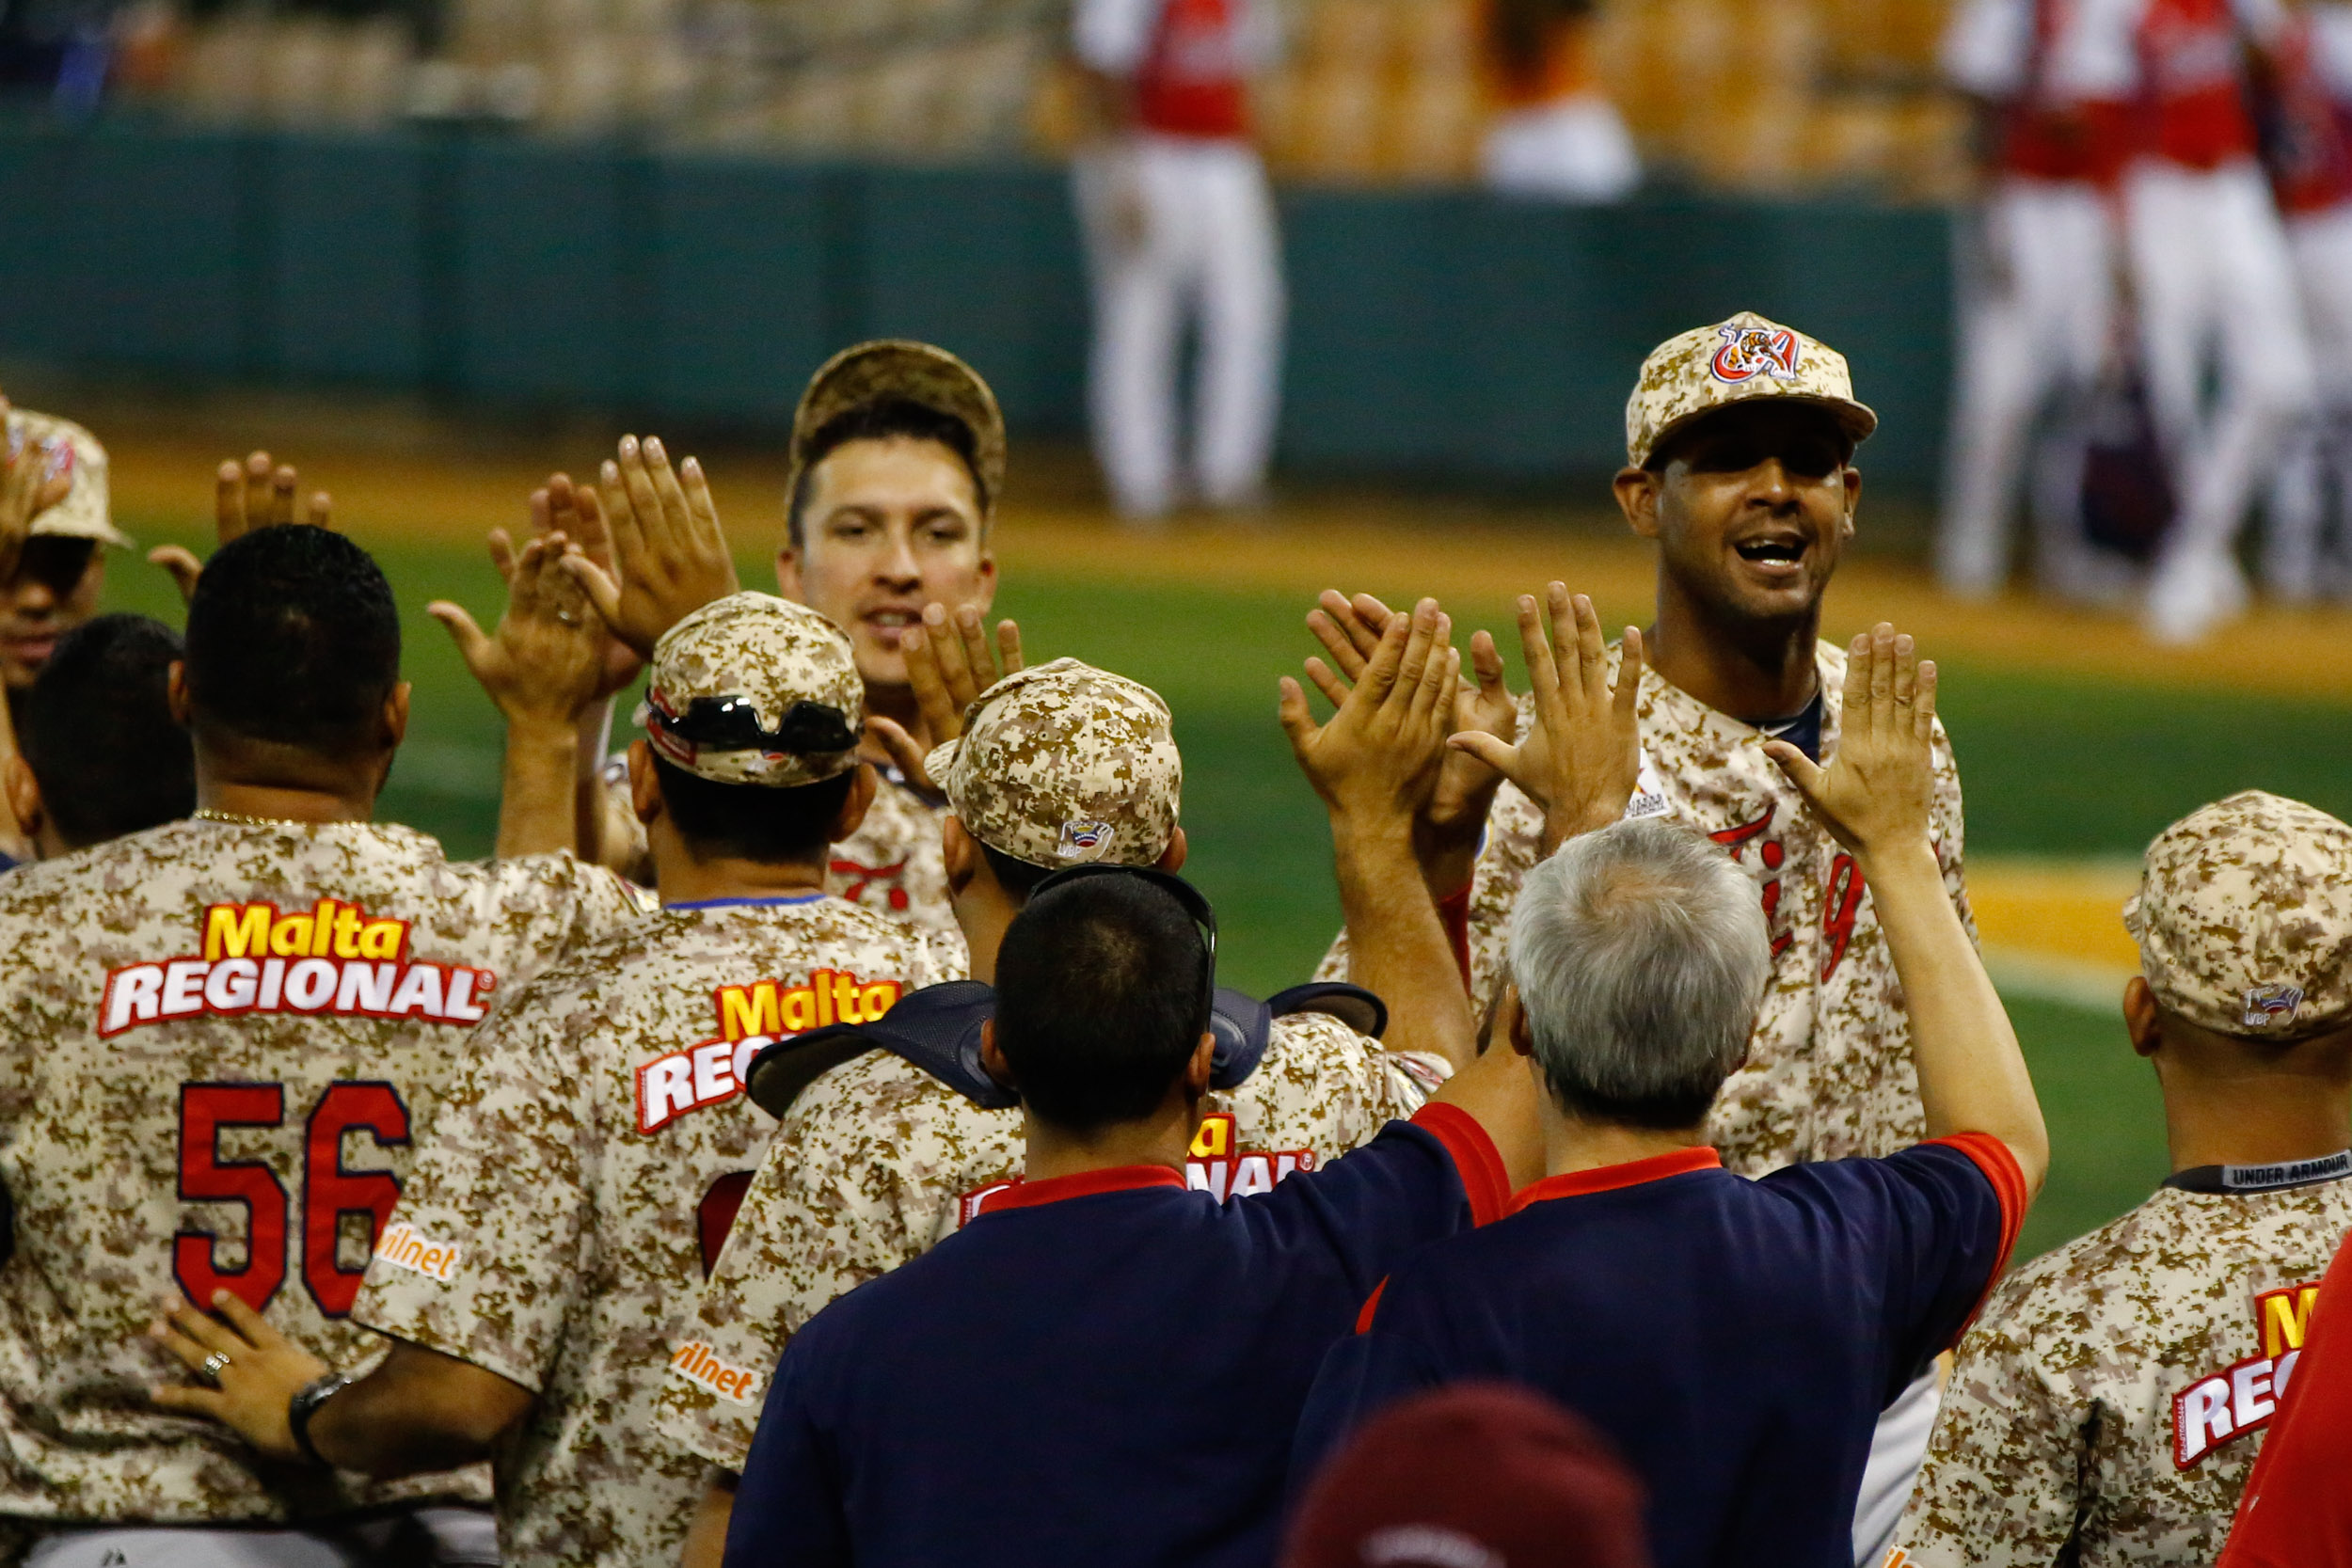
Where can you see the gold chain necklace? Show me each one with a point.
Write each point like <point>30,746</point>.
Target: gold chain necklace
<point>206,814</point>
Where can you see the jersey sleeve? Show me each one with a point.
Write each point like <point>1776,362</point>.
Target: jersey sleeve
<point>2002,1481</point>
<point>1950,826</point>
<point>1415,1184</point>
<point>1323,1086</point>
<point>490,1240</point>
<point>863,1173</point>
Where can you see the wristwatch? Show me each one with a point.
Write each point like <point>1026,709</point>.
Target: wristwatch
<point>305,1404</point>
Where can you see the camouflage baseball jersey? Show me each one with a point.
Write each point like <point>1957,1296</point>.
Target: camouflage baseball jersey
<point>1829,1072</point>
<point>877,1160</point>
<point>220,1042</point>
<point>2106,1409</point>
<point>575,1188</point>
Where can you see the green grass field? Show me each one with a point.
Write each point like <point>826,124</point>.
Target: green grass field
<point>2053,767</point>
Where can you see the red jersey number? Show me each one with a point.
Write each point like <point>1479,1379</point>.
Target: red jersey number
<point>329,1191</point>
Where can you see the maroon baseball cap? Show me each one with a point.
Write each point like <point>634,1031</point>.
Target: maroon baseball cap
<point>1481,1475</point>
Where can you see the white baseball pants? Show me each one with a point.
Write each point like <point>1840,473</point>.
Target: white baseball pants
<point>2216,291</point>
<point>2296,567</point>
<point>1898,1447</point>
<point>1177,229</point>
<point>2037,299</point>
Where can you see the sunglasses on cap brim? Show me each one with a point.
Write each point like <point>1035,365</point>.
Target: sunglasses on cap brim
<point>1169,882</point>
<point>732,724</point>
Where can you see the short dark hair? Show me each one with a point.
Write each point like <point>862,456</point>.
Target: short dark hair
<point>752,822</point>
<point>97,731</point>
<point>883,420</point>
<point>1017,878</point>
<point>1102,997</point>
<point>293,639</point>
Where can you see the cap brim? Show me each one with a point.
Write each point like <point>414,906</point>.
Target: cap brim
<point>920,373</point>
<point>102,534</point>
<point>1857,419</point>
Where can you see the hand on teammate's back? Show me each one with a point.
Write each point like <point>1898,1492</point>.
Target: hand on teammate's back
<point>1583,756</point>
<point>35,476</point>
<point>949,663</point>
<point>260,1372</point>
<point>1376,762</point>
<point>1447,832</point>
<point>669,554</point>
<point>259,492</point>
<point>1876,793</point>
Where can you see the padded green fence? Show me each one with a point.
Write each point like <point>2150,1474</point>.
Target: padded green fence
<point>1435,334</point>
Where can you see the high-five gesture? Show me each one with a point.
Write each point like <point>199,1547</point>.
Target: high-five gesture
<point>669,554</point>
<point>949,663</point>
<point>1876,792</point>
<point>1376,761</point>
<point>573,511</point>
<point>259,492</point>
<point>1581,761</point>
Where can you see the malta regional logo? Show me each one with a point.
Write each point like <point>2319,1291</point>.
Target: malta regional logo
<point>2224,1406</point>
<point>711,1071</point>
<point>1748,352</point>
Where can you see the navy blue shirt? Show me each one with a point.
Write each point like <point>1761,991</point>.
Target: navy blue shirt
<point>1105,1368</point>
<point>1737,1340</point>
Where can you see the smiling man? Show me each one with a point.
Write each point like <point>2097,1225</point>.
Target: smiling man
<point>897,461</point>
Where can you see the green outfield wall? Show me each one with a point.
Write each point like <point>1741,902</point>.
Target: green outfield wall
<point>1438,335</point>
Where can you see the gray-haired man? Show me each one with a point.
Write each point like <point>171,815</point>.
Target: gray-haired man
<point>1738,1340</point>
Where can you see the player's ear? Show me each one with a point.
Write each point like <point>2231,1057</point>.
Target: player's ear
<point>960,852</point>
<point>176,691</point>
<point>23,793</point>
<point>396,714</point>
<point>1199,1068</point>
<point>644,784</point>
<point>1853,496</point>
<point>789,571</point>
<point>1637,498</point>
<point>993,1056</point>
<point>1172,858</point>
<point>855,806</point>
<point>2143,1021</point>
<point>1514,1019</point>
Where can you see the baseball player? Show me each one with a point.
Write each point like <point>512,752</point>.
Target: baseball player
<point>100,755</point>
<point>877,1161</point>
<point>1134,1351</point>
<point>587,1162</point>
<point>2037,299</point>
<point>2107,1407</point>
<point>1738,443</point>
<point>222,1037</point>
<point>2213,284</point>
<point>2295,1512</point>
<point>1179,227</point>
<point>898,462</point>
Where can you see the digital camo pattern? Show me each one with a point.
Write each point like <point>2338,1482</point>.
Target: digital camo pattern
<point>1746,357</point>
<point>868,1168</point>
<point>249,1111</point>
<point>2243,917</point>
<point>755,648</point>
<point>1063,764</point>
<point>2057,1437</point>
<point>574,1186</point>
<point>84,513</point>
<point>1829,1071</point>
<point>898,367</point>
<point>895,865</point>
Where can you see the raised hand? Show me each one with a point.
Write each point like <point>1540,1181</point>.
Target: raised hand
<point>1581,761</point>
<point>545,661</point>
<point>574,511</point>
<point>1376,761</point>
<point>260,1372</point>
<point>1448,831</point>
<point>259,492</point>
<point>1875,795</point>
<point>37,476</point>
<point>668,550</point>
<point>949,663</point>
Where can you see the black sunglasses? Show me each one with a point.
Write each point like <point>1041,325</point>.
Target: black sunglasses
<point>1167,881</point>
<point>732,724</point>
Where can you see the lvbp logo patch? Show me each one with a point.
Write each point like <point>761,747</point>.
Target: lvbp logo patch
<point>2223,1406</point>
<point>1748,352</point>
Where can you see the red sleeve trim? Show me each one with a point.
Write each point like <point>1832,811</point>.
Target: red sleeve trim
<point>1453,914</point>
<point>1990,1155</point>
<point>1475,1157</point>
<point>1371,1306</point>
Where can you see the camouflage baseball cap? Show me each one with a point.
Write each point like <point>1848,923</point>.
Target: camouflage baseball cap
<point>1064,764</point>
<point>754,690</point>
<point>2243,917</point>
<point>900,367</point>
<point>84,513</point>
<point>1747,357</point>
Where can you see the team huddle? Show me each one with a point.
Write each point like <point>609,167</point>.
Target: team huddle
<point>818,1134</point>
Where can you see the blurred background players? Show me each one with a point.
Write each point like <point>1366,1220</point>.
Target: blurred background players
<point>2105,1409</point>
<point>1554,134</point>
<point>99,751</point>
<point>1179,227</point>
<point>2037,306</point>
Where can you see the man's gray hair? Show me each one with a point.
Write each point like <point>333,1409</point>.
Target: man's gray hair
<point>1641,955</point>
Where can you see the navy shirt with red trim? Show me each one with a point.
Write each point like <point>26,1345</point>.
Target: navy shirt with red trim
<point>1105,1368</point>
<point>1736,1338</point>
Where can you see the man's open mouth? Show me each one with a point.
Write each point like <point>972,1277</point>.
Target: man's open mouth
<point>1784,552</point>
